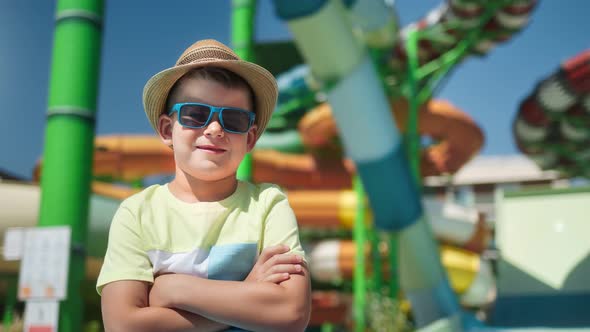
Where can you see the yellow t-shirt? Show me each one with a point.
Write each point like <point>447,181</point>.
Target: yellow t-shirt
<point>153,232</point>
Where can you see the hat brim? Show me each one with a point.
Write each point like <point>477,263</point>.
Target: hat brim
<point>263,84</point>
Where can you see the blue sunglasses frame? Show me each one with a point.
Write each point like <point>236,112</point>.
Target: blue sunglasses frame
<point>212,110</point>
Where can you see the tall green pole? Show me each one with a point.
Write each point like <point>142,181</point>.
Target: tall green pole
<point>242,40</point>
<point>69,136</point>
<point>413,141</point>
<point>10,301</point>
<point>359,274</point>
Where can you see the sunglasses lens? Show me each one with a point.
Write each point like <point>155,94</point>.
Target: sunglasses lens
<point>194,115</point>
<point>236,120</point>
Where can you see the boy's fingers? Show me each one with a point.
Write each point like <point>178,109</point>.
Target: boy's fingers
<point>286,268</point>
<point>277,277</point>
<point>270,252</point>
<point>283,259</point>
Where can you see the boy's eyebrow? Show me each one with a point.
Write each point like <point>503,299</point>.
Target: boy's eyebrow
<point>193,100</point>
<point>201,101</point>
<point>188,99</point>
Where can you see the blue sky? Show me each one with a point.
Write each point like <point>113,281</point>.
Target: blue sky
<point>141,38</point>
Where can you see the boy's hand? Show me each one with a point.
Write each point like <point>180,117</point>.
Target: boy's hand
<point>274,265</point>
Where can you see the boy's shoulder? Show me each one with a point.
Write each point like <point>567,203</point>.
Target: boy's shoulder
<point>146,195</point>
<point>264,191</point>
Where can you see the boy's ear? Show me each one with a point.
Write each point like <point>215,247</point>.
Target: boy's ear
<point>165,124</point>
<point>251,139</point>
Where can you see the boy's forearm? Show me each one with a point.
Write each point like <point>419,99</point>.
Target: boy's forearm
<point>259,306</point>
<point>164,320</point>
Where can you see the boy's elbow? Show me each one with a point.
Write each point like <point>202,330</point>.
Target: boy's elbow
<point>298,325</point>
<point>297,318</point>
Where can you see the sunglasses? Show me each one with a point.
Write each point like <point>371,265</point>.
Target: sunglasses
<point>197,115</point>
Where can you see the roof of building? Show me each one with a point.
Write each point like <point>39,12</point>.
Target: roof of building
<point>4,175</point>
<point>493,170</point>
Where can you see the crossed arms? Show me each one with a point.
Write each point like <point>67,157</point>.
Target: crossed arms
<point>274,297</point>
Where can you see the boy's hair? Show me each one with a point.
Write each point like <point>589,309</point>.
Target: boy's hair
<point>222,76</point>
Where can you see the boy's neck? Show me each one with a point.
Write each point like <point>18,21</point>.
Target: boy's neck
<point>193,190</point>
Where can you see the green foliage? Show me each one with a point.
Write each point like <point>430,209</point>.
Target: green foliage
<point>384,314</point>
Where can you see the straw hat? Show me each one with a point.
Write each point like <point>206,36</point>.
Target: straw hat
<point>214,54</point>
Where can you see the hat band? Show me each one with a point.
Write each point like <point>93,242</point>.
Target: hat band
<point>206,54</point>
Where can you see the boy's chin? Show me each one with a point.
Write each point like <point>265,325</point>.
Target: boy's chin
<point>212,175</point>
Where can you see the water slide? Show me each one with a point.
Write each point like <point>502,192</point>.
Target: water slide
<point>457,139</point>
<point>371,139</point>
<point>350,69</point>
<point>552,123</point>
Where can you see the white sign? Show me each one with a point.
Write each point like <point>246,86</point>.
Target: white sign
<point>44,266</point>
<point>14,243</point>
<point>41,316</point>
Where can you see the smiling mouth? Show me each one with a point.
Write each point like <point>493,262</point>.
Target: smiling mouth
<point>211,149</point>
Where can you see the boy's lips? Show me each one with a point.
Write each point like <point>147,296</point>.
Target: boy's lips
<point>211,148</point>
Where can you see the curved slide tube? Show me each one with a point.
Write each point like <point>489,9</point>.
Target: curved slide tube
<point>552,125</point>
<point>329,307</point>
<point>132,157</point>
<point>373,142</point>
<point>128,157</point>
<point>470,276</point>
<point>301,171</point>
<point>21,209</point>
<point>459,137</point>
<point>376,22</point>
<point>452,224</point>
<point>455,19</point>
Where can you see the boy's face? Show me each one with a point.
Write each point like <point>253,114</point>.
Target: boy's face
<point>208,153</point>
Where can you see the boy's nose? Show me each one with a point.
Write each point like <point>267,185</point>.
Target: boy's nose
<point>214,127</point>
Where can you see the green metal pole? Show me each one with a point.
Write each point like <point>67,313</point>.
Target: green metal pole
<point>413,138</point>
<point>377,268</point>
<point>452,57</point>
<point>431,73</point>
<point>243,13</point>
<point>69,138</point>
<point>8,317</point>
<point>360,239</point>
<point>437,68</point>
<point>393,266</point>
<point>327,327</point>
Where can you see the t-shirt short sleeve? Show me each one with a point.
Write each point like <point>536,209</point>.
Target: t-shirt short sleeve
<point>280,226</point>
<point>126,258</point>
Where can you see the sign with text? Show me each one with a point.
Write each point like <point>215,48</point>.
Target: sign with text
<point>41,316</point>
<point>14,243</point>
<point>44,266</point>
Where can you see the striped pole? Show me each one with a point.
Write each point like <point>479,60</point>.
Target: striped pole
<point>375,22</point>
<point>371,139</point>
<point>362,110</point>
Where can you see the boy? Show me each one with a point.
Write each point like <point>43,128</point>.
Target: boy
<point>206,252</point>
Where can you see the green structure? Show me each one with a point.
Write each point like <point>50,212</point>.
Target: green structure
<point>69,140</point>
<point>243,12</point>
